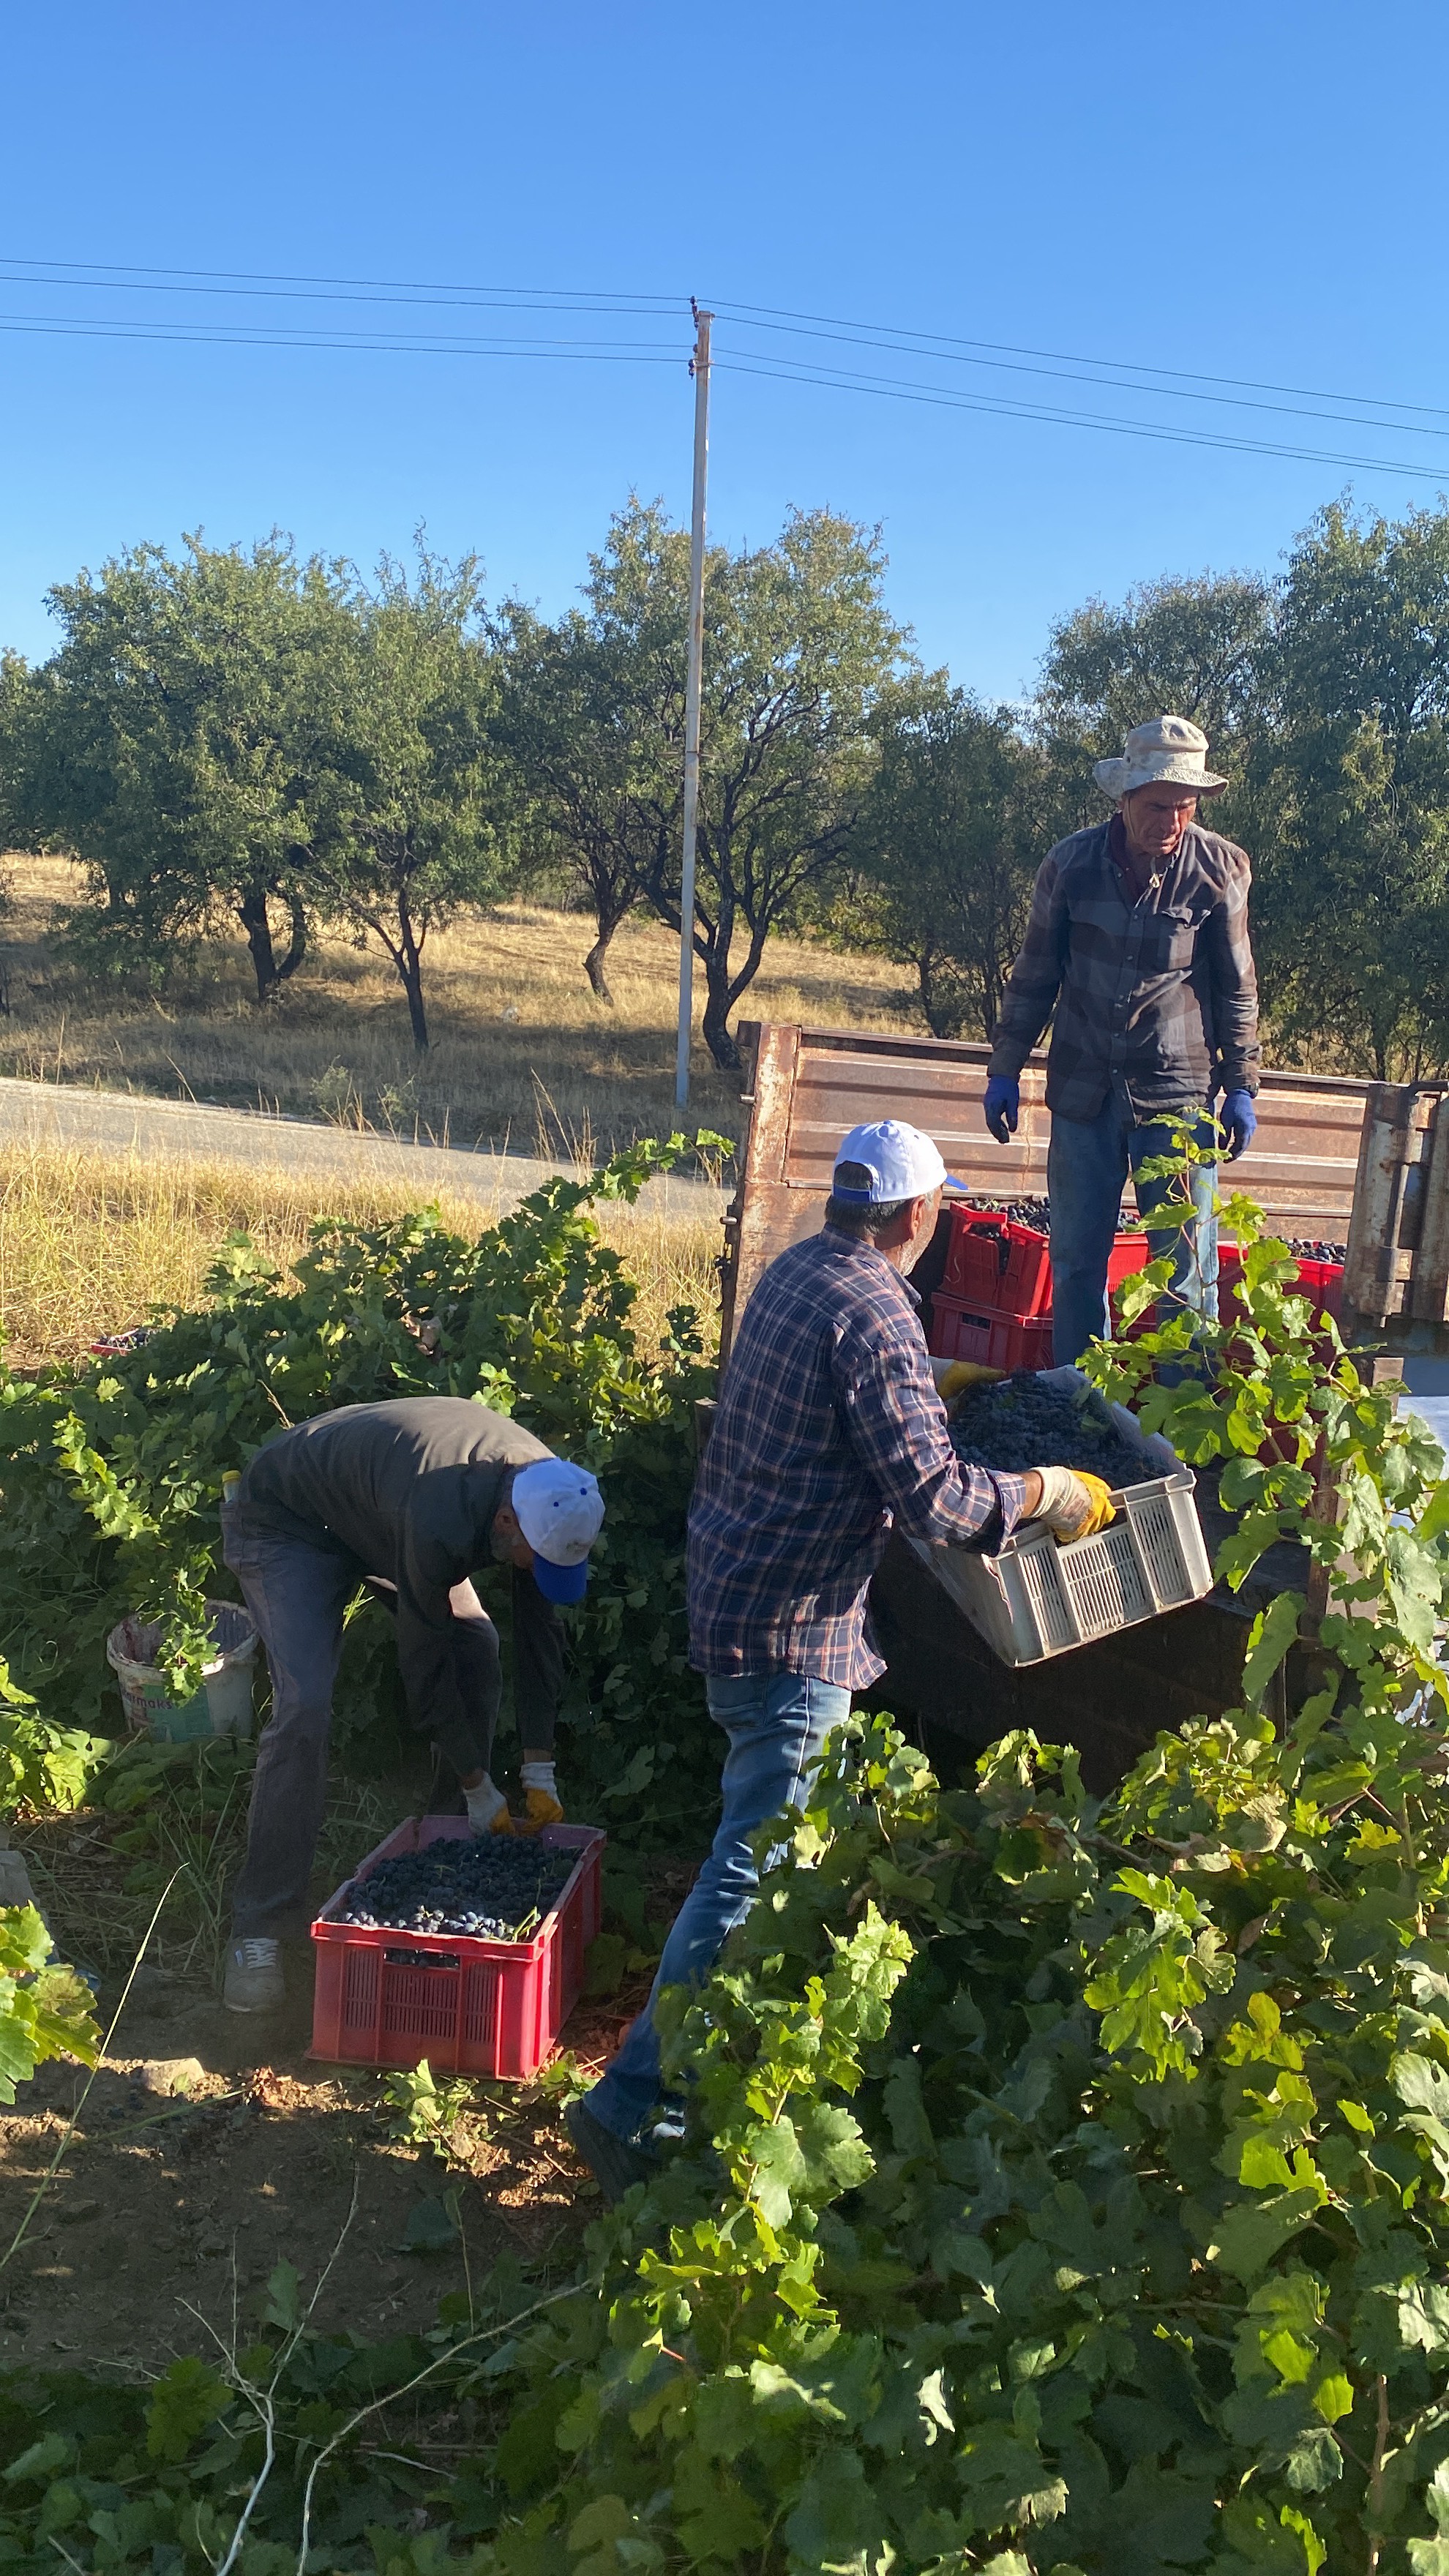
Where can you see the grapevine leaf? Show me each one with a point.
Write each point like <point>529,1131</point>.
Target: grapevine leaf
<point>1250,2233</point>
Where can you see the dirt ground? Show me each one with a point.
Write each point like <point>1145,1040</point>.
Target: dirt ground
<point>170,2209</point>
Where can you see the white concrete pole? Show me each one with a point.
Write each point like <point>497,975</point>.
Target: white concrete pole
<point>694,681</point>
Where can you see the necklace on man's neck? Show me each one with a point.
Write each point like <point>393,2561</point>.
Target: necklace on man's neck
<point>1144,884</point>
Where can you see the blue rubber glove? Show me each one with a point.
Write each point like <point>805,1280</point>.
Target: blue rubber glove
<point>1239,1122</point>
<point>1003,1107</point>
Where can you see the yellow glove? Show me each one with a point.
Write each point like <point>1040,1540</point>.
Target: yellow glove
<point>541,1810</point>
<point>962,1375</point>
<point>1072,1504</point>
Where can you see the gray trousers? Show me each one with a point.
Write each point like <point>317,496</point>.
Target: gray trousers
<point>297,1596</point>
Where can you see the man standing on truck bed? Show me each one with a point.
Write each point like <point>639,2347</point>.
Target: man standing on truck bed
<point>830,1430</point>
<point>411,1497</point>
<point>1138,939</point>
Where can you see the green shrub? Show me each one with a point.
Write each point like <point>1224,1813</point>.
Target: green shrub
<point>1067,2188</point>
<point>112,1474</point>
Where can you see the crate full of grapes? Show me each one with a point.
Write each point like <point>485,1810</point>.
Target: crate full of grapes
<point>1034,1598</point>
<point>464,1949</point>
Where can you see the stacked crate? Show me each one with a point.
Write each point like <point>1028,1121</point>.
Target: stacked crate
<point>994,1303</point>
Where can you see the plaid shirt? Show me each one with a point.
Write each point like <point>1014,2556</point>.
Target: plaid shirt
<point>1159,993</point>
<point>829,1430</point>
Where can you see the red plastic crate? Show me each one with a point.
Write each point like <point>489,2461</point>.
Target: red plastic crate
<point>1000,1341</point>
<point>388,1997</point>
<point>997,1267</point>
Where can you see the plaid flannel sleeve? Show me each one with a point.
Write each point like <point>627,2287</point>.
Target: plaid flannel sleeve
<point>1234,982</point>
<point>896,1424</point>
<point>1035,979</point>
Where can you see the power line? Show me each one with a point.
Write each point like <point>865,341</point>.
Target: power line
<point>182,281</point>
<point>936,348</point>
<point>904,347</point>
<point>105,274</point>
<point>1005,348</point>
<point>238,336</point>
<point>997,406</point>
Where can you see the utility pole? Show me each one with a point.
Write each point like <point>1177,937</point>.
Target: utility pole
<point>693,685</point>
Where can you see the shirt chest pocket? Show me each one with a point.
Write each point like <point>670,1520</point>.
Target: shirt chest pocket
<point>1176,940</point>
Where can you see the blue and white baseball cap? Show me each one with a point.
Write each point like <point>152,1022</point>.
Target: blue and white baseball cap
<point>560,1511</point>
<point>902,1163</point>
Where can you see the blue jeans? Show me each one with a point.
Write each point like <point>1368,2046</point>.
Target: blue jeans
<point>297,1596</point>
<point>1087,1167</point>
<point>776,1723</point>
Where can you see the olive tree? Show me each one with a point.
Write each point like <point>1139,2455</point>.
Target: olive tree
<point>577,766</point>
<point>413,820</point>
<point>798,647</point>
<point>950,837</point>
<point>174,745</point>
<point>1349,796</point>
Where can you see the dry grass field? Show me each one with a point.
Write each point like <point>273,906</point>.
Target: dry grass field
<point>523,1056</point>
<point>90,1243</point>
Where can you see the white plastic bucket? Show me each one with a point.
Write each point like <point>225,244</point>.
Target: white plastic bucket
<point>222,1706</point>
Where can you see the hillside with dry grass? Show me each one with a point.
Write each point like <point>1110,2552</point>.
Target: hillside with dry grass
<point>524,1057</point>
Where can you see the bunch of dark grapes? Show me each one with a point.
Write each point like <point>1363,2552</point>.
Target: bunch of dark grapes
<point>1034,1213</point>
<point>488,1889</point>
<point>1022,1423</point>
<point>1319,1251</point>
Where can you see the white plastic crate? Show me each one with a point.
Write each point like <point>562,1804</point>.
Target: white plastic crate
<point>1034,1599</point>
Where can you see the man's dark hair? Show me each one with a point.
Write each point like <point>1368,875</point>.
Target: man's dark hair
<point>849,1218</point>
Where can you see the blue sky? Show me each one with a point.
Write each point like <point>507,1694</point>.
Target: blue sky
<point>1249,192</point>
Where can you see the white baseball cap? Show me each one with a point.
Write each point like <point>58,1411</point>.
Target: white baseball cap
<point>560,1511</point>
<point>902,1163</point>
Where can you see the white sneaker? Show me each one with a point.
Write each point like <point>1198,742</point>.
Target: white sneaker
<point>254,1981</point>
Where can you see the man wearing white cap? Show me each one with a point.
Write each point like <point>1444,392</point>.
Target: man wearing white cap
<point>410,1498</point>
<point>1138,940</point>
<point>830,1431</point>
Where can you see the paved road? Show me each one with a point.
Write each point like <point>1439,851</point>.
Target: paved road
<point>120,1123</point>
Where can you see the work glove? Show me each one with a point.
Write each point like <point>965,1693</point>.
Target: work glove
<point>1073,1505</point>
<point>1238,1121</point>
<point>487,1808</point>
<point>1003,1107</point>
<point>962,1375</point>
<point>540,1793</point>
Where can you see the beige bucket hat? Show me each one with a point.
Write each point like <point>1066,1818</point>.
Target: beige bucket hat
<point>1168,748</point>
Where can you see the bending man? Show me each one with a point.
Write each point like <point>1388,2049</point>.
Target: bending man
<point>413,1497</point>
<point>830,1431</point>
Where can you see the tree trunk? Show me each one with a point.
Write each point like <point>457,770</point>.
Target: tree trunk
<point>926,974</point>
<point>409,958</point>
<point>715,1028</point>
<point>297,949</point>
<point>412,976</point>
<point>252,912</point>
<point>594,966</point>
<point>612,894</point>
